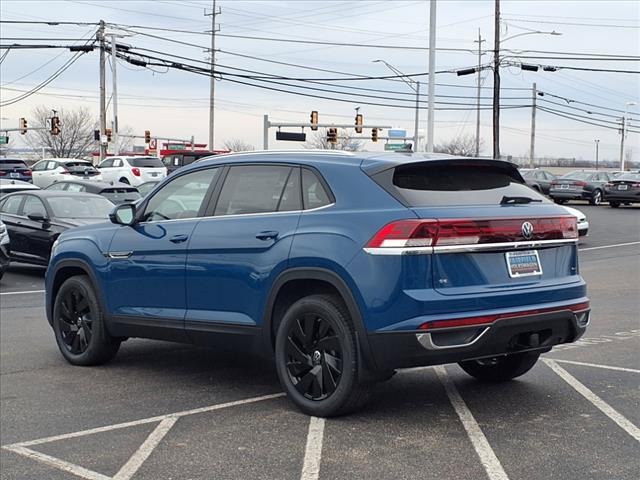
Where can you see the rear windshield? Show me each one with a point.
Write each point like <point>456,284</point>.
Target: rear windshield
<point>117,195</point>
<point>577,175</point>
<point>142,162</point>
<point>80,207</point>
<point>12,161</point>
<point>527,173</point>
<point>629,176</point>
<point>422,185</point>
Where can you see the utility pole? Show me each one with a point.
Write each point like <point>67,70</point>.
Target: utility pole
<point>432,72</point>
<point>265,132</point>
<point>212,64</point>
<point>597,145</point>
<point>114,95</point>
<point>103,109</point>
<point>624,125</point>
<point>416,124</point>
<point>496,81</point>
<point>532,148</point>
<point>480,40</point>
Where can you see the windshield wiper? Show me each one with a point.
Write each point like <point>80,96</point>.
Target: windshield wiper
<point>515,200</point>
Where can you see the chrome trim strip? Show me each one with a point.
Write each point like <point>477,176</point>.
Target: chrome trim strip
<point>481,247</point>
<point>119,255</point>
<point>427,342</point>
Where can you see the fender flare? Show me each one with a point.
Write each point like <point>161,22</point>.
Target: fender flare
<point>315,273</point>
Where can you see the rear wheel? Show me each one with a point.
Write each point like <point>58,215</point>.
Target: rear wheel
<point>125,180</point>
<point>614,204</point>
<point>596,197</point>
<point>500,369</point>
<point>316,357</point>
<point>559,201</point>
<point>78,323</point>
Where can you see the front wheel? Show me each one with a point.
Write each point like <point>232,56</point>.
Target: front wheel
<point>316,357</point>
<point>78,323</point>
<point>596,197</point>
<point>500,369</point>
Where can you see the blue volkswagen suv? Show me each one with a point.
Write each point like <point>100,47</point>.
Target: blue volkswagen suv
<point>342,267</point>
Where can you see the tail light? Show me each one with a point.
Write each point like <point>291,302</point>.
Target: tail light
<point>65,171</point>
<point>608,185</point>
<point>135,171</point>
<point>489,319</point>
<point>635,185</point>
<point>580,184</point>
<point>2,173</point>
<point>27,173</point>
<point>448,232</point>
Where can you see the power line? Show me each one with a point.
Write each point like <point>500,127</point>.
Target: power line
<point>570,117</point>
<point>572,23</point>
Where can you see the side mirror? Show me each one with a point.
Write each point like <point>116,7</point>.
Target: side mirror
<point>123,214</point>
<point>38,217</point>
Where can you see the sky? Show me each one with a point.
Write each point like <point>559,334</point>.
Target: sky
<point>174,103</point>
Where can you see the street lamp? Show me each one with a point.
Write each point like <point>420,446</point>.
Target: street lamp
<point>536,32</point>
<point>416,88</point>
<point>624,131</point>
<point>597,144</point>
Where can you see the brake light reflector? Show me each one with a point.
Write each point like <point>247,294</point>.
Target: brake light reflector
<point>27,173</point>
<point>489,319</point>
<point>135,171</point>
<point>2,173</point>
<point>452,232</point>
<point>580,184</point>
<point>64,170</point>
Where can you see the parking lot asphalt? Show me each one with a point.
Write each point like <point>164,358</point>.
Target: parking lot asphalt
<point>170,411</point>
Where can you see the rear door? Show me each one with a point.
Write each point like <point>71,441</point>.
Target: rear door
<point>237,252</point>
<point>488,239</point>
<point>108,170</point>
<point>10,210</point>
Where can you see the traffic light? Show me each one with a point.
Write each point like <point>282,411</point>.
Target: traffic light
<point>107,132</point>
<point>55,125</point>
<point>359,122</point>
<point>332,135</point>
<point>374,134</point>
<point>314,120</point>
<point>96,135</point>
<point>23,126</point>
<point>147,136</point>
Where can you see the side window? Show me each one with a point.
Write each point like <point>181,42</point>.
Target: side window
<point>40,166</point>
<point>252,189</point>
<point>313,193</point>
<point>52,165</point>
<point>107,163</point>
<point>180,198</point>
<point>75,187</point>
<point>604,177</point>
<point>291,199</point>
<point>32,205</point>
<point>548,176</point>
<point>117,163</point>
<point>11,205</point>
<point>57,186</point>
<point>540,175</point>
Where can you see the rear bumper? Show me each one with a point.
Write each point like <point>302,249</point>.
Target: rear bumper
<point>622,197</point>
<point>539,332</point>
<point>570,194</point>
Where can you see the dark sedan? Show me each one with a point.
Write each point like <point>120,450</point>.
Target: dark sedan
<point>115,192</point>
<point>625,188</point>
<point>12,186</point>
<point>538,179</point>
<point>580,185</point>
<point>15,169</point>
<point>35,219</point>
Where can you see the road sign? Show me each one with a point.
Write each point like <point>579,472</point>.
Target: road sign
<point>394,147</point>
<point>4,140</point>
<point>396,132</point>
<point>153,144</point>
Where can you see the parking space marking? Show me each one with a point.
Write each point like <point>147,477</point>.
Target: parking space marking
<point>600,404</point>
<point>313,451</point>
<point>608,246</point>
<point>488,458</point>
<point>595,365</point>
<point>22,293</point>
<point>57,463</point>
<point>590,341</point>
<point>148,446</point>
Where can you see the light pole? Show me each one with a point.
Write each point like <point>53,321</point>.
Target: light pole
<point>597,144</point>
<point>416,88</point>
<point>624,132</point>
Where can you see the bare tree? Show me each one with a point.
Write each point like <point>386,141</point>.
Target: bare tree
<point>238,145</point>
<point>75,139</point>
<point>345,141</point>
<point>125,141</point>
<point>463,146</point>
<point>5,148</point>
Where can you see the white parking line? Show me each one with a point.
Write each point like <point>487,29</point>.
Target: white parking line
<point>488,458</point>
<point>59,464</point>
<point>600,404</point>
<point>313,451</point>
<point>153,440</point>
<point>22,293</point>
<point>595,365</point>
<point>608,246</point>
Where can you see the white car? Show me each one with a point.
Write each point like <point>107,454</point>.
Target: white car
<point>51,170</point>
<point>583,224</point>
<point>132,170</point>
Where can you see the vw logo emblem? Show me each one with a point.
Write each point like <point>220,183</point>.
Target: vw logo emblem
<point>527,230</point>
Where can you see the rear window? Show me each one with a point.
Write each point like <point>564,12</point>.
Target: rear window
<point>423,185</point>
<point>12,161</point>
<point>578,175</point>
<point>148,162</point>
<point>629,176</point>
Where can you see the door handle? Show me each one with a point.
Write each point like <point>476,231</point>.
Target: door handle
<point>267,235</point>
<point>179,238</point>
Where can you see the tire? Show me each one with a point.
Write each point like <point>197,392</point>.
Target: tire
<point>124,180</point>
<point>500,369</point>
<point>596,197</point>
<point>559,201</point>
<point>1,272</point>
<point>316,357</point>
<point>78,324</point>
<point>614,204</point>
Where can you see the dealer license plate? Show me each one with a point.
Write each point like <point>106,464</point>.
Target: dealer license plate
<point>14,175</point>
<point>623,187</point>
<point>523,264</point>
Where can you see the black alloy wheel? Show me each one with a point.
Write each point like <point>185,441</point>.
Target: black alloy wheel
<point>596,197</point>
<point>76,321</point>
<point>314,356</point>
